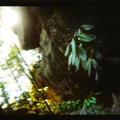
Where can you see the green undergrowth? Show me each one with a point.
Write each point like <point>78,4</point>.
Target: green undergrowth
<point>78,107</point>
<point>36,104</point>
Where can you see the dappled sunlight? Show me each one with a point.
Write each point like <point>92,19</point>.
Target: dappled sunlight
<point>9,18</point>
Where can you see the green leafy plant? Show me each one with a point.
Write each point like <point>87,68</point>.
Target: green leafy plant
<point>88,106</point>
<point>3,93</point>
<point>68,106</point>
<point>33,101</point>
<point>81,51</point>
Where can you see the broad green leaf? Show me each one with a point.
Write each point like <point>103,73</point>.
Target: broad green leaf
<point>70,59</point>
<point>89,67</point>
<point>68,102</point>
<point>85,65</point>
<point>88,104</point>
<point>85,37</point>
<point>67,50</point>
<point>77,67</point>
<point>93,98</point>
<point>77,63</point>
<point>73,57</point>
<point>94,63</point>
<point>87,27</point>
<point>79,32</point>
<point>96,76</point>
<point>82,53</point>
<point>79,38</point>
<point>91,101</point>
<point>73,45</point>
<point>75,34</point>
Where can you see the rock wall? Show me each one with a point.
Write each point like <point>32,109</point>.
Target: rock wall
<point>52,27</point>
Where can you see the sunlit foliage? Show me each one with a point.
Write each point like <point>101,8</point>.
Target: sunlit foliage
<point>3,94</point>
